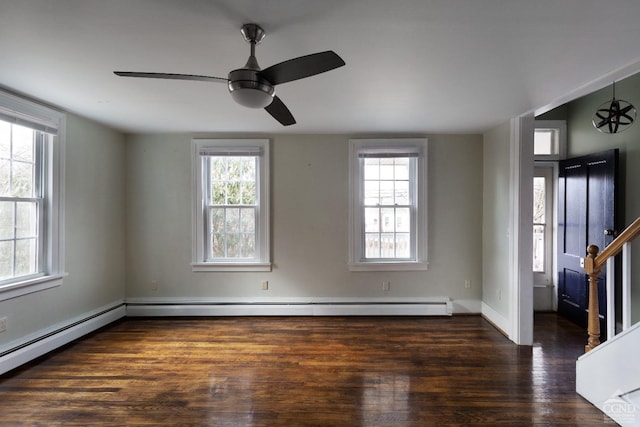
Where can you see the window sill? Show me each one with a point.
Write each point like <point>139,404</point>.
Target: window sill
<point>231,267</point>
<point>389,266</point>
<point>14,290</point>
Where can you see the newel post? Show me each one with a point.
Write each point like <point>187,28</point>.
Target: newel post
<point>593,325</point>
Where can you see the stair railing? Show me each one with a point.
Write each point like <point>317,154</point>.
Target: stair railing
<point>593,264</point>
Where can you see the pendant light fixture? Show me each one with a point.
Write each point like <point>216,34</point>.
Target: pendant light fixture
<point>614,116</point>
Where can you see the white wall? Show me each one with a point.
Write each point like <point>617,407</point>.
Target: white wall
<point>495,225</point>
<point>309,224</point>
<point>94,236</point>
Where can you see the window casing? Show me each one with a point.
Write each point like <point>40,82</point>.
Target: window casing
<point>31,196</point>
<point>231,205</point>
<point>388,204</point>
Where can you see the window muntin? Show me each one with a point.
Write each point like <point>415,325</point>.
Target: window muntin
<point>231,219</point>
<point>388,209</point>
<point>232,207</point>
<point>388,204</point>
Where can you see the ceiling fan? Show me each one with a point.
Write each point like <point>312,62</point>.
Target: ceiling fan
<point>253,87</point>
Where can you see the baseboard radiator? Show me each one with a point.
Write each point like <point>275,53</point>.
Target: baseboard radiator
<point>35,345</point>
<point>293,307</point>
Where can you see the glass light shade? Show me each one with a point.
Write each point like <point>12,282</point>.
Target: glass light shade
<point>252,97</point>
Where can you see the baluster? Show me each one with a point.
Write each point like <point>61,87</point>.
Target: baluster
<point>626,286</point>
<point>593,320</point>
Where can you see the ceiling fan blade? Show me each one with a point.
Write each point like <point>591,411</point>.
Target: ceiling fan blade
<point>301,67</point>
<point>280,112</point>
<point>171,76</point>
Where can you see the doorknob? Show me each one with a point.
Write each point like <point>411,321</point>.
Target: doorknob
<point>609,232</point>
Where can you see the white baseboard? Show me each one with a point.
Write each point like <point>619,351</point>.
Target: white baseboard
<point>498,320</point>
<point>137,307</point>
<point>30,347</point>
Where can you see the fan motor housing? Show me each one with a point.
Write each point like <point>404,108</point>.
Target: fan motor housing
<point>249,89</point>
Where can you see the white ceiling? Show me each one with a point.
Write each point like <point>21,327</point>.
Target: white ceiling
<point>438,66</point>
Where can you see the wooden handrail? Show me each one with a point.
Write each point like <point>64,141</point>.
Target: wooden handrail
<point>593,264</point>
<point>614,248</point>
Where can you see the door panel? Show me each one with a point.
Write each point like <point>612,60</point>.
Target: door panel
<point>586,207</point>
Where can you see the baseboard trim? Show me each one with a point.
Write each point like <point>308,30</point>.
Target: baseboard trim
<point>291,307</point>
<point>496,319</point>
<point>35,345</point>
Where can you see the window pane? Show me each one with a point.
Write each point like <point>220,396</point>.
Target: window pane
<point>403,220</point>
<point>402,193</point>
<point>217,245</point>
<point>248,220</point>
<point>22,143</point>
<point>388,219</point>
<point>6,259</point>
<point>403,245</point>
<point>248,193</point>
<point>233,193</point>
<point>372,245</point>
<point>25,257</point>
<point>232,220</point>
<point>7,224</point>
<point>217,220</point>
<point>386,168</point>
<point>386,192</point>
<point>402,169</point>
<point>234,168</point>
<point>387,245</point>
<point>249,169</point>
<point>218,168</point>
<point>371,168</point>
<point>5,173</point>
<point>219,193</point>
<point>248,246</point>
<point>22,179</point>
<point>26,219</point>
<point>372,220</point>
<point>545,142</point>
<point>539,200</point>
<point>538,248</point>
<point>371,193</point>
<point>233,245</point>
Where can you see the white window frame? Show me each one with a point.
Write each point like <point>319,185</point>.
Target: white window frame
<point>357,261</point>
<point>24,112</point>
<point>199,240</point>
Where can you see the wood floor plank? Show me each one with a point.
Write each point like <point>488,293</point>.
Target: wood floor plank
<point>308,371</point>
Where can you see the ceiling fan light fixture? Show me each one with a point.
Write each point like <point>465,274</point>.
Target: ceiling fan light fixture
<point>614,116</point>
<point>249,90</point>
<point>252,98</point>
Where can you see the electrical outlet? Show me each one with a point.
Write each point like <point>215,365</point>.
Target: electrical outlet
<point>386,286</point>
<point>467,284</point>
<point>265,285</point>
<point>154,285</point>
<point>3,324</point>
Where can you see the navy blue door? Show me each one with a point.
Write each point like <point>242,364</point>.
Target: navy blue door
<point>586,210</point>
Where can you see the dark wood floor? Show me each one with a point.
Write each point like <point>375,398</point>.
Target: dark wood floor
<point>320,371</point>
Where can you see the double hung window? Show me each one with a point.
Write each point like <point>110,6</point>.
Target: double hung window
<point>388,204</point>
<point>231,220</point>
<point>31,238</point>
